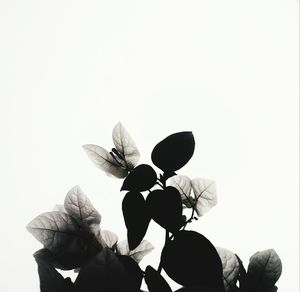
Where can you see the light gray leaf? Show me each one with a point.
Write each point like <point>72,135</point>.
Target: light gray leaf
<point>56,231</point>
<point>205,195</point>
<point>103,160</point>
<point>231,267</point>
<point>264,269</point>
<point>78,205</point>
<point>184,185</point>
<point>59,208</point>
<point>109,238</point>
<point>138,253</point>
<point>125,145</point>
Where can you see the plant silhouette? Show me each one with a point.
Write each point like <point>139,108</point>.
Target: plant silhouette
<point>73,239</point>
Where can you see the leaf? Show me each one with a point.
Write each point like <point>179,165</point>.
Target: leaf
<point>103,160</point>
<point>138,253</point>
<point>56,231</point>
<point>59,208</point>
<point>231,267</point>
<point>104,273</point>
<point>133,270</point>
<point>109,238</point>
<point>50,279</point>
<point>198,289</point>
<point>142,178</point>
<point>125,145</point>
<point>80,208</point>
<point>205,195</point>
<point>184,185</point>
<point>165,208</point>
<point>264,269</point>
<point>136,218</point>
<point>190,246</point>
<point>174,152</point>
<point>155,281</point>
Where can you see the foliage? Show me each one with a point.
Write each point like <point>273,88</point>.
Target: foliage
<point>72,237</point>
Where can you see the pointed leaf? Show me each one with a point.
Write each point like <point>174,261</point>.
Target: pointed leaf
<point>205,195</point>
<point>176,258</point>
<point>104,273</point>
<point>103,160</point>
<point>136,218</point>
<point>142,178</point>
<point>165,208</point>
<point>78,205</point>
<point>231,267</point>
<point>155,281</point>
<point>174,152</point>
<point>184,185</point>
<point>56,231</point>
<point>125,145</point>
<point>264,269</point>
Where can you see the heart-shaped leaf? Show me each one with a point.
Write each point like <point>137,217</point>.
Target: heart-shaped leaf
<point>104,273</point>
<point>142,178</point>
<point>165,208</point>
<point>138,253</point>
<point>136,218</point>
<point>50,279</point>
<point>205,195</point>
<point>184,185</point>
<point>264,270</point>
<point>231,268</point>
<point>133,270</point>
<point>125,145</point>
<point>155,281</point>
<point>174,152</point>
<point>56,231</point>
<point>80,208</point>
<point>104,160</point>
<point>190,246</point>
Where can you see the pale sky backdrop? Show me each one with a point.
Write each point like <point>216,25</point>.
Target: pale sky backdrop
<point>226,70</point>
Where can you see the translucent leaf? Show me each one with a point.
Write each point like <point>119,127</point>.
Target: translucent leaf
<point>138,253</point>
<point>59,208</point>
<point>173,152</point>
<point>190,246</point>
<point>155,281</point>
<point>109,238</point>
<point>125,145</point>
<point>56,231</point>
<point>78,205</point>
<point>205,194</point>
<point>184,185</point>
<point>264,269</point>
<point>231,267</point>
<point>142,178</point>
<point>104,160</point>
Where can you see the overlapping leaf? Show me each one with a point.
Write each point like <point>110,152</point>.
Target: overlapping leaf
<point>125,145</point>
<point>184,185</point>
<point>104,160</point>
<point>231,267</point>
<point>205,195</point>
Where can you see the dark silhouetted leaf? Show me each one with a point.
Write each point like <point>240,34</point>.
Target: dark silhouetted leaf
<point>198,289</point>
<point>133,270</point>
<point>205,194</point>
<point>104,160</point>
<point>104,273</point>
<point>78,205</point>
<point>173,152</point>
<point>50,279</point>
<point>155,281</point>
<point>135,217</point>
<point>142,178</point>
<point>231,267</point>
<point>264,270</point>
<point>125,145</point>
<point>191,248</point>
<point>165,208</point>
<point>138,253</point>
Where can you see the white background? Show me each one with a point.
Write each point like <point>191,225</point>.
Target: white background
<point>226,70</point>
